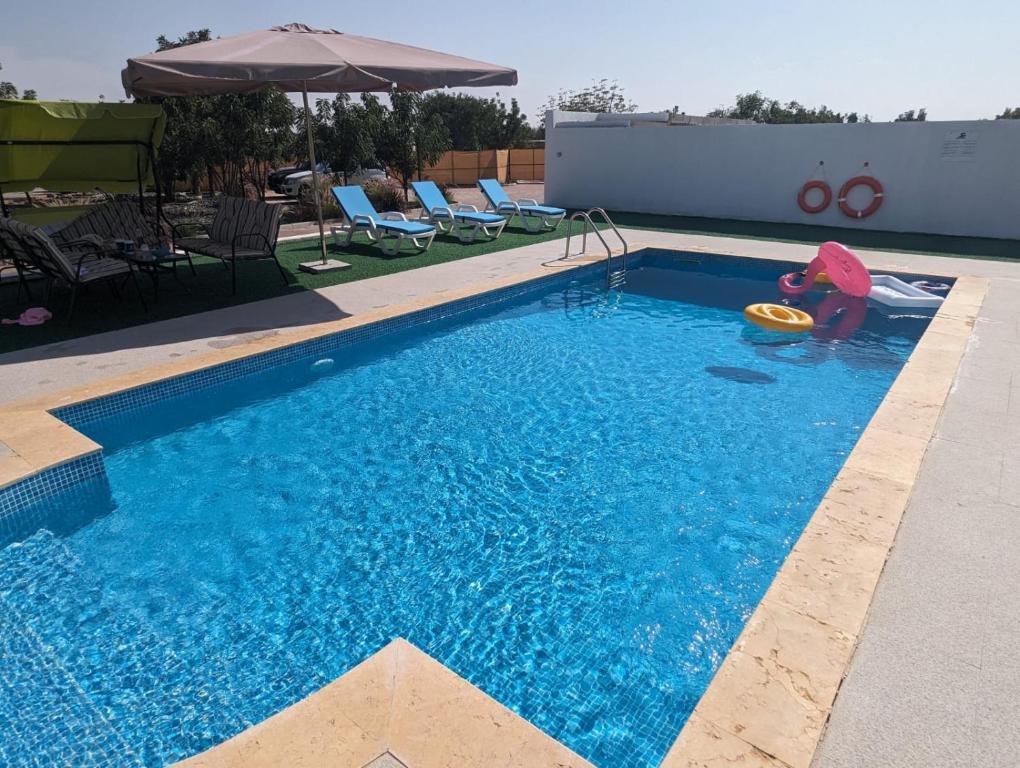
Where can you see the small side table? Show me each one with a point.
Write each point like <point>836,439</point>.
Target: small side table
<point>153,265</point>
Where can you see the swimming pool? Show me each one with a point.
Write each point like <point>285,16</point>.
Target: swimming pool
<point>572,498</point>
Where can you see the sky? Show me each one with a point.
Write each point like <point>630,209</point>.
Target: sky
<point>960,60</point>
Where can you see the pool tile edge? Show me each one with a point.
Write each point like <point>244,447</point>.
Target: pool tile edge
<point>51,442</point>
<point>769,702</point>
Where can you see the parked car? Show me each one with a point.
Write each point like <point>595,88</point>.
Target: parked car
<point>294,183</point>
<point>298,183</point>
<point>362,175</point>
<point>276,177</point>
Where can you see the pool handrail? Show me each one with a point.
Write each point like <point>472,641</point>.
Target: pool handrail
<point>613,279</point>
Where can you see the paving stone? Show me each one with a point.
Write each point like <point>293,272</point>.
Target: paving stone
<point>934,679</point>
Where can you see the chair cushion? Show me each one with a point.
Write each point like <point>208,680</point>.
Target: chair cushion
<point>238,216</point>
<point>542,210</point>
<point>113,220</point>
<point>209,247</point>
<point>405,227</point>
<point>481,218</point>
<point>35,247</point>
<point>97,269</point>
<point>494,191</point>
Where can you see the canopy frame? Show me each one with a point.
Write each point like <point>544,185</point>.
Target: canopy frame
<point>139,176</point>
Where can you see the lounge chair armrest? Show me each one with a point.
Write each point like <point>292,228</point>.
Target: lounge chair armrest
<point>508,205</point>
<point>362,218</point>
<point>527,201</point>
<point>393,216</point>
<point>442,210</point>
<point>466,207</point>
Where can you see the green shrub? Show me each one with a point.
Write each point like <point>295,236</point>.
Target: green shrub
<point>304,210</point>
<point>386,195</point>
<point>448,191</point>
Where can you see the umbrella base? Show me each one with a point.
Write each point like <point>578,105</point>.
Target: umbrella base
<point>319,267</point>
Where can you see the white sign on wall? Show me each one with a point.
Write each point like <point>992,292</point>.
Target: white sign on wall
<point>959,146</point>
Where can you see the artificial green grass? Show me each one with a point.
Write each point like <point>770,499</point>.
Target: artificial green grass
<point>98,311</point>
<point>907,242</point>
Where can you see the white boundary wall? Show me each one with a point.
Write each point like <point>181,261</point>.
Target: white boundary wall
<point>935,182</point>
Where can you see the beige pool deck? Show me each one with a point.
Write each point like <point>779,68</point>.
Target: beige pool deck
<point>888,637</point>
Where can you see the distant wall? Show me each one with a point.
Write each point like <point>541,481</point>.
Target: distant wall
<point>465,168</point>
<point>935,182</point>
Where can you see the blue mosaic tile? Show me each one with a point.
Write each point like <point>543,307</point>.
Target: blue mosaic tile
<point>49,482</point>
<point>52,482</point>
<point>52,720</point>
<point>84,413</point>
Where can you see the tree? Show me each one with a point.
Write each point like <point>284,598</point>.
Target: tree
<point>911,117</point>
<point>408,139</point>
<point>10,91</point>
<point>1009,114</point>
<point>762,109</point>
<point>163,43</point>
<point>601,96</point>
<point>344,133</point>
<point>475,123</point>
<point>511,128</point>
<point>230,139</point>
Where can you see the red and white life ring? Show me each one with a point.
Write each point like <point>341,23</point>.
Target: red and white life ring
<point>876,200</point>
<point>809,186</point>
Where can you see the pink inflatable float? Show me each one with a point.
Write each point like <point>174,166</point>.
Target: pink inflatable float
<point>838,316</point>
<point>844,269</point>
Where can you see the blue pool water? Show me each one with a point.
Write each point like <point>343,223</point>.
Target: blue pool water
<point>574,500</point>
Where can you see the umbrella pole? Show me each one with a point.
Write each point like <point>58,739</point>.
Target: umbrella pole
<point>325,264</point>
<point>315,172</point>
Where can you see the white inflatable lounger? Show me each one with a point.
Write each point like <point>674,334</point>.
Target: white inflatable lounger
<point>896,293</point>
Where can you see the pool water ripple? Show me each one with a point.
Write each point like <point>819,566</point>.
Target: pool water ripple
<point>554,498</point>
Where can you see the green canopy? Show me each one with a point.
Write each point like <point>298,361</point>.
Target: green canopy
<point>69,146</point>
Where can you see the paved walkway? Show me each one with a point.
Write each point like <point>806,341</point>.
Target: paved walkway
<point>935,678</point>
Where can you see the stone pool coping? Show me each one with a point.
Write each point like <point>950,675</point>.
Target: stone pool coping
<point>770,699</point>
<point>399,703</point>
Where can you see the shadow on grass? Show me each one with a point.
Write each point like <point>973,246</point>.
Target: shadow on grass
<point>193,296</point>
<point>197,297</point>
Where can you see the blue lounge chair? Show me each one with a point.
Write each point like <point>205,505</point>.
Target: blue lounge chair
<point>535,217</point>
<point>463,220</point>
<point>389,230</point>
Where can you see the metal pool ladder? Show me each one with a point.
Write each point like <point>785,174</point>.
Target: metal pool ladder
<point>615,278</point>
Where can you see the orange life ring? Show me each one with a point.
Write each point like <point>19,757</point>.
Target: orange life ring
<point>876,201</point>
<point>826,196</point>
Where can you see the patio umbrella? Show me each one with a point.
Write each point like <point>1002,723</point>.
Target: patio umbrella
<point>296,57</point>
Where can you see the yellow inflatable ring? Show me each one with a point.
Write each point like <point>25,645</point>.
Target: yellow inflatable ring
<point>776,317</point>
